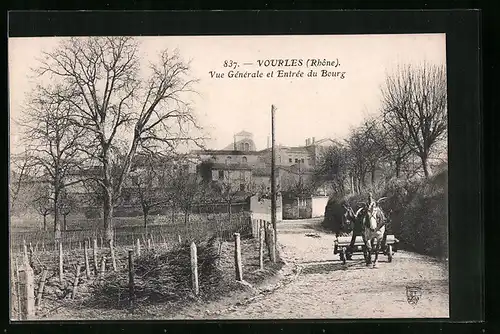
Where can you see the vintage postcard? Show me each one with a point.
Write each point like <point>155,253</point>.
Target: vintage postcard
<point>228,177</point>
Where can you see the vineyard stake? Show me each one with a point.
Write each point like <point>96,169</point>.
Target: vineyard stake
<point>61,273</point>
<point>75,283</point>
<point>96,264</point>
<point>237,257</point>
<point>41,287</point>
<point>131,277</point>
<point>86,258</point>
<point>194,269</point>
<point>261,245</point>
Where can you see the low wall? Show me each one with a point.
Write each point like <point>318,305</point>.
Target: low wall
<point>318,206</point>
<point>295,208</point>
<point>262,209</point>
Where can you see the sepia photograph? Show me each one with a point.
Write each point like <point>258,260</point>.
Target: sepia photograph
<point>228,177</point>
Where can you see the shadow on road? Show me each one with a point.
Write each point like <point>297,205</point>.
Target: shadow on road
<point>323,267</point>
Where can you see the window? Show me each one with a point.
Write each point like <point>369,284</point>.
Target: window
<point>228,160</point>
<point>302,160</point>
<point>221,174</point>
<point>290,160</point>
<point>247,147</point>
<point>296,160</point>
<point>242,187</point>
<point>279,158</point>
<point>244,160</point>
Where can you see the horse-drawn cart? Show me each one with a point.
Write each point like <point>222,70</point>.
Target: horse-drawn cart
<point>341,246</point>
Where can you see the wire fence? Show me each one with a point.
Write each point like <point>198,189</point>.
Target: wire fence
<point>160,231</point>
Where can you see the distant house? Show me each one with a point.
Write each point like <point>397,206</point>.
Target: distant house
<point>294,163</point>
<point>237,176</point>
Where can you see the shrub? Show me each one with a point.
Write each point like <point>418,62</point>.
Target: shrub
<point>162,276</point>
<point>417,210</point>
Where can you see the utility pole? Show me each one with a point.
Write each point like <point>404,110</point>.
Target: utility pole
<point>273,183</point>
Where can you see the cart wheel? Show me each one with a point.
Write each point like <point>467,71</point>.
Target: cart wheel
<point>342,255</point>
<point>389,253</point>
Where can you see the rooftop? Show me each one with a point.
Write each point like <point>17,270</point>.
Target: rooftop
<point>231,166</point>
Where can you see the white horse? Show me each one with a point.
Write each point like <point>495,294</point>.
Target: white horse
<point>373,219</point>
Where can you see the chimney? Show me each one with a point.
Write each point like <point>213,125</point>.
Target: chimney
<point>307,141</point>
<point>234,143</point>
<point>314,139</point>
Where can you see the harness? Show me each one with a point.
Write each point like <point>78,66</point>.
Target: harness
<point>378,214</point>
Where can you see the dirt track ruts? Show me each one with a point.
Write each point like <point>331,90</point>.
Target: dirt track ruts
<point>327,289</point>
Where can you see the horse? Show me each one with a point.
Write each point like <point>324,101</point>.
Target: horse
<point>373,220</point>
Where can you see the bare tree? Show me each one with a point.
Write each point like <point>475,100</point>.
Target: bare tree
<point>151,184</point>
<point>333,167</point>
<point>185,192</point>
<point>375,149</point>
<point>22,171</point>
<point>415,108</point>
<point>358,163</point>
<point>230,187</point>
<point>114,99</point>
<point>297,182</point>
<point>66,205</point>
<point>42,201</point>
<point>51,141</point>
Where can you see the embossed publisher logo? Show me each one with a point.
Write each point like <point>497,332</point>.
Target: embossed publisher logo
<point>413,294</point>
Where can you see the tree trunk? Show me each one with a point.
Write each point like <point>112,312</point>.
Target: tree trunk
<point>64,223</point>
<point>108,215</point>
<point>45,222</point>
<point>173,214</point>
<point>229,211</point>
<point>425,165</point>
<point>373,175</point>
<point>398,167</point>
<point>145,215</point>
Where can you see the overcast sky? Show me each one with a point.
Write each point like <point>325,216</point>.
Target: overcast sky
<point>306,107</point>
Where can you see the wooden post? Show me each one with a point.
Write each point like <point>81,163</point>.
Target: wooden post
<point>180,240</point>
<point>41,287</point>
<point>101,241</point>
<point>86,258</point>
<point>103,265</point>
<point>138,247</point>
<point>149,244</point>
<point>261,244</point>
<point>272,246</point>
<point>30,259</point>
<point>43,246</point>
<point>194,269</point>
<point>79,245</point>
<point>113,259</point>
<point>273,184</point>
<point>237,257</point>
<point>18,290</point>
<point>96,264</point>
<point>61,269</point>
<point>25,253</point>
<point>131,277</point>
<point>27,292</point>
<point>75,283</point>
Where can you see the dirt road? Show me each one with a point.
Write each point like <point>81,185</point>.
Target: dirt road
<point>327,289</point>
